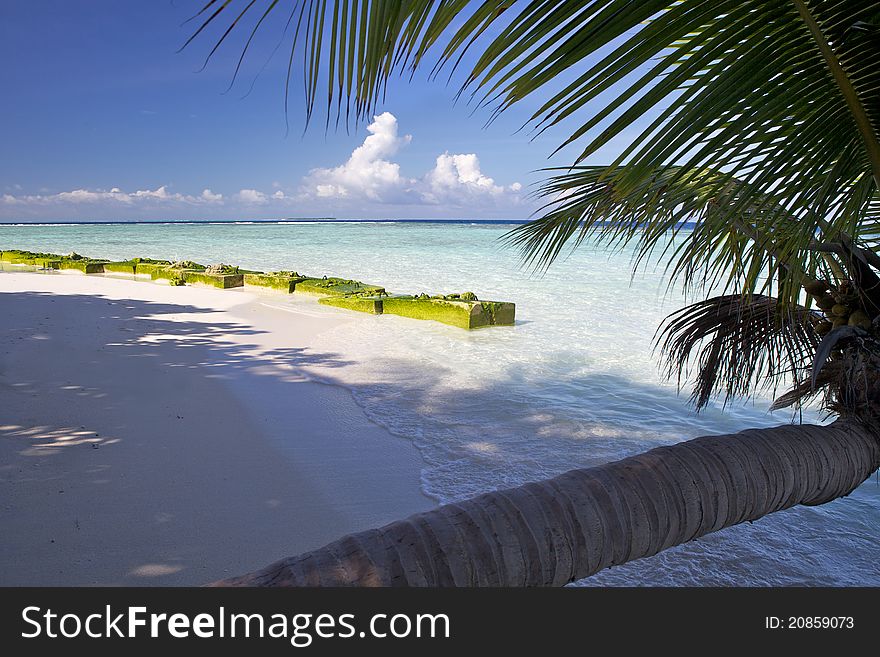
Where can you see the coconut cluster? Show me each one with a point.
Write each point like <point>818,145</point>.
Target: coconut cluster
<point>840,304</point>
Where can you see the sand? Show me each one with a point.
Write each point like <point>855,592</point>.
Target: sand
<point>152,435</point>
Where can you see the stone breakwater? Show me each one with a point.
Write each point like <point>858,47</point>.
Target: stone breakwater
<point>463,310</point>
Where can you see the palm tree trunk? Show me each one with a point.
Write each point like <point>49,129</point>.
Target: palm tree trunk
<point>559,530</point>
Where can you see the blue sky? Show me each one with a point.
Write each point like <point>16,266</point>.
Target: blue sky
<point>103,119</point>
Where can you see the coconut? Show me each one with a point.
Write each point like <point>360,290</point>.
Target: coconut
<point>823,327</point>
<point>815,287</point>
<point>860,319</point>
<point>825,302</point>
<point>840,310</point>
<point>838,322</point>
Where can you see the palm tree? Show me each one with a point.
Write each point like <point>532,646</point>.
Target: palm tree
<point>762,129</point>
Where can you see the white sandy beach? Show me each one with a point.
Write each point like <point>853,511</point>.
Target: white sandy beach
<point>152,435</point>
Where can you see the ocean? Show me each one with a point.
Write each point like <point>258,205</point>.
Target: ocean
<point>575,383</point>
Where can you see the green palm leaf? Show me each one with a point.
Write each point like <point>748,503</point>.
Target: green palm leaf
<point>738,345</point>
<point>758,120</point>
<point>784,93</point>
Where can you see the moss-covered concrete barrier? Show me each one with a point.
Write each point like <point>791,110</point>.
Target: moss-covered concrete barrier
<point>279,281</point>
<point>173,273</point>
<point>368,304</point>
<point>337,287</point>
<point>17,257</point>
<point>136,266</point>
<point>124,267</point>
<point>219,276</point>
<point>192,273</point>
<point>84,265</point>
<point>462,310</point>
<point>182,265</point>
<point>72,261</point>
<point>147,267</point>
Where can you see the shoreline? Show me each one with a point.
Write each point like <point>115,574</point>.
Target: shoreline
<point>166,436</point>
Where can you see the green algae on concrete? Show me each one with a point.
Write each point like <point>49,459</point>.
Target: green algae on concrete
<point>459,312</point>
<point>222,281</point>
<point>169,274</point>
<point>499,313</point>
<point>150,261</point>
<point>123,267</point>
<point>463,310</point>
<point>18,257</point>
<point>190,265</point>
<point>186,271</point>
<point>281,281</point>
<point>337,287</point>
<point>73,261</point>
<point>364,304</point>
<point>146,267</point>
<point>149,269</point>
<point>157,272</point>
<point>84,265</point>
<point>163,270</point>
<point>47,263</point>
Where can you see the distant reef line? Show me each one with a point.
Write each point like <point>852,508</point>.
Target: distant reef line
<point>245,222</point>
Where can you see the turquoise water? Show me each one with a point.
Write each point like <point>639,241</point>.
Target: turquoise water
<point>573,384</point>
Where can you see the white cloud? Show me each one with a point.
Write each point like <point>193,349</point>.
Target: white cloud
<point>82,196</point>
<point>458,179</point>
<point>368,183</point>
<point>368,173</point>
<point>114,196</point>
<point>158,193</point>
<point>251,196</point>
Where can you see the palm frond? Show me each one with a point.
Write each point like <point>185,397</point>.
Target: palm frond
<point>757,121</point>
<point>802,391</point>
<point>733,345</point>
<point>710,227</point>
<point>786,94</point>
